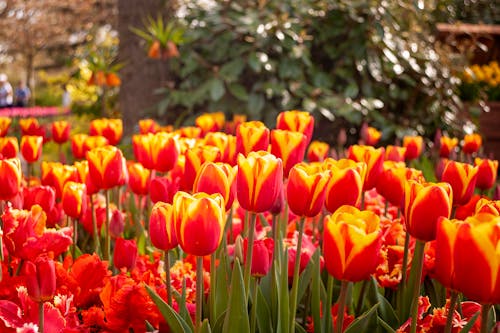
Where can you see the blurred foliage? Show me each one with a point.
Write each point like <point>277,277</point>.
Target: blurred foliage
<point>470,11</point>
<point>344,61</point>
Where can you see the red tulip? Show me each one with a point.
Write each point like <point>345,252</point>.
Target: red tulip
<point>162,227</point>
<point>414,146</point>
<point>217,178</point>
<point>10,178</point>
<point>44,196</point>
<point>447,145</point>
<point>487,171</point>
<point>9,148</point>
<point>74,199</point>
<point>472,143</point>
<point>289,146</point>
<point>163,189</point>
<point>107,167</point>
<point>111,129</point>
<point>31,147</point>
<point>374,159</point>
<point>462,178</point>
<point>40,278</point>
<point>306,189</point>
<point>139,178</point>
<point>60,131</point>
<point>4,125</point>
<point>395,153</point>
<point>345,185</point>
<point>262,258</point>
<point>125,255</point>
<point>317,151</point>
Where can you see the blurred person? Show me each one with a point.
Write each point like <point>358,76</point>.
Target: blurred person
<point>66,97</point>
<point>22,94</point>
<point>6,95</point>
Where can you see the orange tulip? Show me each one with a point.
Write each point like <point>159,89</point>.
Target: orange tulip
<point>107,167</point>
<point>148,126</point>
<point>259,181</point>
<point>74,199</point>
<point>374,159</point>
<point>162,227</point>
<point>210,122</point>
<point>414,146</point>
<point>317,151</point>
<point>467,258</point>
<point>289,146</point>
<point>9,148</point>
<point>462,178</point>
<point>125,254</point>
<point>111,129</point>
<point>10,178</point>
<point>56,174</point>
<point>199,222</point>
<point>31,147</point>
<point>226,144</point>
<point>472,143</point>
<point>77,142</point>
<point>139,178</point>
<point>217,178</point>
<point>191,132</point>
<point>391,183</point>
<point>487,171</point>
<point>251,136</point>
<point>352,240</point>
<point>4,125</point>
<point>296,121</point>
<point>194,160</point>
<point>306,189</point>
<point>60,131</point>
<point>345,185</point>
<point>424,204</point>
<point>371,136</point>
<point>158,151</point>
<point>395,153</point>
<point>447,145</point>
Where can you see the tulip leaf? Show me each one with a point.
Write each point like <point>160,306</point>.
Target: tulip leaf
<point>149,327</point>
<point>219,323</point>
<point>205,326</point>
<point>385,309</point>
<point>316,294</point>
<point>283,297</point>
<point>385,326</point>
<point>181,301</point>
<point>217,89</point>
<point>221,283</point>
<point>237,313</point>
<point>471,323</point>
<point>367,322</point>
<point>305,278</point>
<point>174,321</point>
<point>264,321</point>
<point>436,292</point>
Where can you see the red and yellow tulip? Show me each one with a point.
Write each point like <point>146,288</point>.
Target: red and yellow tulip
<point>217,178</point>
<point>395,153</point>
<point>306,189</point>
<point>148,126</point>
<point>111,129</point>
<point>158,151</point>
<point>296,121</point>
<point>74,199</point>
<point>210,122</point>
<point>289,146</point>
<point>107,167</point>
<point>60,131</point>
<point>447,145</point>
<point>391,183</point>
<point>162,227</point>
<point>139,178</point>
<point>374,159</point>
<point>31,147</point>
<point>462,178</point>
<point>318,151</point>
<point>4,125</point>
<point>472,143</point>
<point>10,178</point>
<point>414,146</point>
<point>487,171</point>
<point>251,136</point>
<point>9,147</point>
<point>194,160</point>
<point>345,185</point>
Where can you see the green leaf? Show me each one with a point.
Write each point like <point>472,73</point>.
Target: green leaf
<point>217,89</point>
<point>219,323</point>
<point>264,321</point>
<point>351,90</point>
<point>472,321</point>
<point>174,321</point>
<point>385,310</point>
<point>238,91</point>
<point>231,71</point>
<point>205,326</point>
<point>254,62</point>
<point>255,105</point>
<point>237,313</point>
<point>386,326</point>
<point>316,295</point>
<point>364,323</point>
<point>305,279</point>
<point>222,282</point>
<point>283,297</point>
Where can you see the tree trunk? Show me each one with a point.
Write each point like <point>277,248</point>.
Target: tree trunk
<point>140,75</point>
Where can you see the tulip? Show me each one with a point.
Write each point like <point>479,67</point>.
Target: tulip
<point>306,189</point>
<point>41,195</point>
<point>94,141</point>
<point>148,126</point>
<point>111,129</point>
<point>190,132</point>
<point>210,122</point>
<point>424,204</point>
<point>194,160</point>
<point>414,146</point>
<point>345,184</point>
<point>158,151</point>
<point>447,145</point>
<point>40,278</point>
<point>10,178</point>
<point>31,126</point>
<point>74,199</point>
<point>161,226</point>
<point>199,222</point>
<point>226,144</point>
<point>487,171</point>
<point>139,178</point>
<point>31,147</point>
<point>251,136</point>
<point>472,143</point>
<point>296,121</point>
<point>263,250</point>
<point>317,151</point>
<point>106,167</point>
<point>484,205</point>
<point>462,178</point>
<point>391,182</point>
<point>60,131</point>
<point>4,125</point>
<point>289,146</point>
<point>125,255</point>
<point>77,142</point>
<point>259,181</point>
<point>371,136</point>
<point>217,178</point>
<point>163,189</point>
<point>9,148</point>
<point>374,159</point>
<point>395,153</point>
<point>56,174</point>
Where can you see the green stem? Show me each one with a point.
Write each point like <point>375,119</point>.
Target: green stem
<point>253,313</point>
<point>418,262</point>
<point>485,311</point>
<point>107,236</point>
<point>94,226</point>
<point>362,207</point>
<point>328,305</point>
<point>296,274</point>
<point>404,268</point>
<point>167,277</point>
<point>341,306</point>
<point>248,261</point>
<point>40,318</point>
<point>212,288</point>
<point>451,311</point>
<point>361,297</point>
<point>199,293</point>
<point>75,238</point>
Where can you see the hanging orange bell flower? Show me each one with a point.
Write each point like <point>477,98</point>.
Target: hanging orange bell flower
<point>210,122</point>
<point>352,240</point>
<point>472,143</point>
<point>259,181</point>
<point>194,160</point>
<point>158,151</point>
<point>154,50</point>
<point>4,125</point>
<point>217,178</point>
<point>289,146</point>
<point>414,146</point>
<point>9,148</point>
<point>462,178</point>
<point>467,257</point>
<point>318,151</point>
<point>395,153</point>
<point>487,171</point>
<point>251,136</point>
<point>111,129</point>
<point>306,189</point>
<point>113,80</point>
<point>31,147</point>
<point>40,278</point>
<point>10,178</point>
<point>446,146</point>
<point>226,144</point>
<point>424,204</point>
<point>125,253</point>
<point>296,121</point>
<point>170,51</point>
<point>162,227</point>
<point>374,159</point>
<point>139,178</point>
<point>60,131</point>
<point>391,182</point>
<point>107,167</point>
<point>199,222</point>
<point>74,199</point>
<point>56,175</point>
<point>345,184</point>
<point>148,126</point>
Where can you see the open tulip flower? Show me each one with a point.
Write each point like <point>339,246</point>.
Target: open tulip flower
<point>462,178</point>
<point>251,136</point>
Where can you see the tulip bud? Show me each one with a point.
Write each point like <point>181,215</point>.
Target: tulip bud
<point>161,226</point>
<point>9,147</point>
<point>74,199</point>
<point>10,178</point>
<point>262,256</point>
<point>40,278</point>
<point>31,147</point>
<point>125,255</point>
<point>60,131</point>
